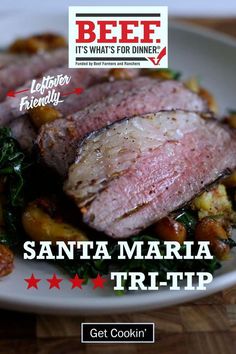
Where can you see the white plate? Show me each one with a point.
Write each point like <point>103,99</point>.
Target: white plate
<point>192,51</point>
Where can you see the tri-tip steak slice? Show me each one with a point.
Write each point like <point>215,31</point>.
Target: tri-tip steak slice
<point>136,171</point>
<point>57,141</point>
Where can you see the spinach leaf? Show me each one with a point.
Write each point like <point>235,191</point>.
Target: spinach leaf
<point>12,168</point>
<point>170,74</point>
<point>188,219</point>
<point>165,74</point>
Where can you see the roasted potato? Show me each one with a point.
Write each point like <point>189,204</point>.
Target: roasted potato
<point>230,181</point>
<point>41,226</point>
<point>231,120</point>
<point>210,99</point>
<point>211,230</point>
<point>193,85</point>
<point>6,260</point>
<point>43,114</point>
<point>168,229</point>
<point>213,202</point>
<point>120,74</point>
<point>37,43</point>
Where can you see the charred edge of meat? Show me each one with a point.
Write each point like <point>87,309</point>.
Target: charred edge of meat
<point>204,115</point>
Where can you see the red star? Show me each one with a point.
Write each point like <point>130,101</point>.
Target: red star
<point>32,282</point>
<point>98,282</point>
<point>76,282</point>
<point>54,282</point>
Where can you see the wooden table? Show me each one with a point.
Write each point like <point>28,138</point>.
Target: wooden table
<point>207,326</point>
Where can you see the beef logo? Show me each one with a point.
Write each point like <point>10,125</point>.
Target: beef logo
<point>118,37</point>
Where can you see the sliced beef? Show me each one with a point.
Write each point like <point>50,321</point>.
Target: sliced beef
<point>97,92</point>
<point>135,172</point>
<point>18,73</point>
<point>24,131</point>
<point>80,78</point>
<point>8,58</point>
<point>57,141</point>
<point>9,109</point>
